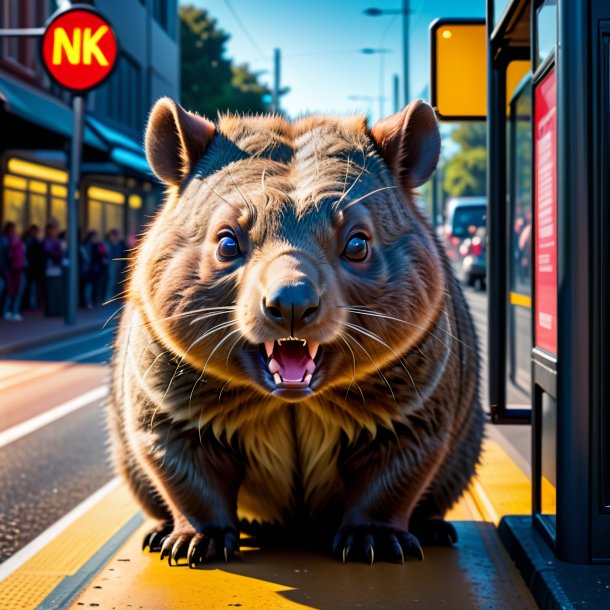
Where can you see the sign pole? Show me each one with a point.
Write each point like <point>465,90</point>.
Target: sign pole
<point>78,116</point>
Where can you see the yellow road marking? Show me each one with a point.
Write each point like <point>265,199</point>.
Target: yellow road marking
<point>266,580</point>
<point>500,487</point>
<point>66,554</point>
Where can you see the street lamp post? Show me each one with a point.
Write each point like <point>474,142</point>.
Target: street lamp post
<point>381,53</point>
<point>405,11</point>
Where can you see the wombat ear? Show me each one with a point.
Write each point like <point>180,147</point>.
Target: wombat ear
<point>410,143</point>
<point>175,140</point>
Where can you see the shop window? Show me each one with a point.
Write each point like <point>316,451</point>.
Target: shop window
<point>106,210</point>
<point>33,194</point>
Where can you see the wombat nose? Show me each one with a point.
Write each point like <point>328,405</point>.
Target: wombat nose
<point>293,306</point>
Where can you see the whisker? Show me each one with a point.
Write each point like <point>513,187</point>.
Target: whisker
<point>218,345</point>
<point>199,339</point>
<point>375,337</point>
<point>373,192</point>
<point>113,315</point>
<point>357,310</point>
<point>348,336</point>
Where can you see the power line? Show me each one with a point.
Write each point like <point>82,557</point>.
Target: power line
<point>245,30</point>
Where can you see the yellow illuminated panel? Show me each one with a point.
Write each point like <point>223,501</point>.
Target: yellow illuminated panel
<point>515,72</point>
<point>460,73</point>
<point>34,170</point>
<point>38,187</point>
<point>135,202</point>
<point>101,194</point>
<point>59,191</point>
<point>14,208</point>
<point>14,182</point>
<point>59,212</point>
<point>38,210</point>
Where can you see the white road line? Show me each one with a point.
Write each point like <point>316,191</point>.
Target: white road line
<point>60,365</point>
<point>29,550</point>
<point>29,426</point>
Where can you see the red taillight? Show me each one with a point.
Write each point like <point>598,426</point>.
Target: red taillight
<point>477,246</point>
<point>455,241</point>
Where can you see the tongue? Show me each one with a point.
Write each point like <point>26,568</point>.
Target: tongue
<point>294,360</point>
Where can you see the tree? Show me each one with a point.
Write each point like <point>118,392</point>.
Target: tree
<point>210,82</point>
<point>465,172</point>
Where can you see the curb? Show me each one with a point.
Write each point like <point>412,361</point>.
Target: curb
<point>62,332</point>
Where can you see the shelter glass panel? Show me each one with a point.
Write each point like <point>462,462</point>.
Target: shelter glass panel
<point>520,222</point>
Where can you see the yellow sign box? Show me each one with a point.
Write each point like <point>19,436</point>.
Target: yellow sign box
<point>458,62</point>
<point>458,83</point>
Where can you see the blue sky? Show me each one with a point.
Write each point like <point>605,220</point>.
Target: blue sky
<point>320,42</point>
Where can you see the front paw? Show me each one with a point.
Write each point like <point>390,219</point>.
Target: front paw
<point>153,539</point>
<point>372,542</point>
<point>197,547</point>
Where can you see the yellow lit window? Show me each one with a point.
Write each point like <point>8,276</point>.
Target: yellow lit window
<point>34,170</point>
<point>105,195</point>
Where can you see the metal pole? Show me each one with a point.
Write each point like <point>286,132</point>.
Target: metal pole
<point>381,91</point>
<point>396,93</point>
<point>78,115</point>
<point>405,49</point>
<point>276,80</point>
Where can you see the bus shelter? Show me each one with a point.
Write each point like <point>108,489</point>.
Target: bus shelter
<point>543,67</point>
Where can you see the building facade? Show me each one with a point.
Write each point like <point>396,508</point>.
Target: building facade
<point>117,188</point>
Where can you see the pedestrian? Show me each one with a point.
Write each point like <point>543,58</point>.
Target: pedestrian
<point>35,267</point>
<point>54,281</point>
<point>94,255</point>
<point>116,255</point>
<point>15,273</point>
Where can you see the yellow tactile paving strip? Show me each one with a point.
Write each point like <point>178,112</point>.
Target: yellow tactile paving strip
<point>268,580</point>
<point>67,553</point>
<point>501,487</point>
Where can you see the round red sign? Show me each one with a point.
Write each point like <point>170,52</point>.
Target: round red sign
<point>79,48</point>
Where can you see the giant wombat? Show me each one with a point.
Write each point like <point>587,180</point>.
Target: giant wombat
<point>294,349</point>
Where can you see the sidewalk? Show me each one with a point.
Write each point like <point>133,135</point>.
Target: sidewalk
<point>36,329</point>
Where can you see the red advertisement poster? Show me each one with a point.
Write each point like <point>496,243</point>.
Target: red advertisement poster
<point>545,213</point>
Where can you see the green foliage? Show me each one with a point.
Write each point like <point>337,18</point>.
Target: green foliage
<point>465,172</point>
<point>210,83</point>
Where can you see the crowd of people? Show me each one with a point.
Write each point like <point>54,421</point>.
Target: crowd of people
<point>34,267</point>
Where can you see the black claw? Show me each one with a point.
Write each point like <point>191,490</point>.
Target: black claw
<point>346,551</point>
<point>166,548</point>
<point>178,550</point>
<point>197,550</point>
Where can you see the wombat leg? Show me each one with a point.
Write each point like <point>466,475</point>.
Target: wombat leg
<point>199,479</point>
<point>428,525</point>
<point>384,479</point>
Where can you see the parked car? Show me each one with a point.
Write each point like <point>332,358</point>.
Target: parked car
<point>473,251</point>
<point>464,217</point>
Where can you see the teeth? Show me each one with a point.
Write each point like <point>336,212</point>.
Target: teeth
<point>303,341</point>
<point>313,349</point>
<point>310,367</point>
<point>307,377</point>
<point>277,378</point>
<point>274,365</point>
<point>269,348</point>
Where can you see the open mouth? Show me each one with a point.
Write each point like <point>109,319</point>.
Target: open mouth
<point>292,363</point>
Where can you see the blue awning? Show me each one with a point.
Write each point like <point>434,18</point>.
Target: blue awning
<point>124,151</point>
<point>42,109</point>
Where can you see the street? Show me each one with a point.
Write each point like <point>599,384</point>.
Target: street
<point>46,471</point>
<point>53,453</point>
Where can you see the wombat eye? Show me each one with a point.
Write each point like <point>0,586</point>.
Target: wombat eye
<point>228,247</point>
<point>357,248</point>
